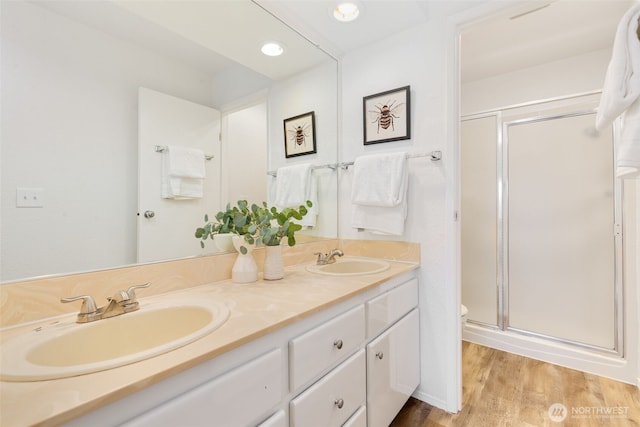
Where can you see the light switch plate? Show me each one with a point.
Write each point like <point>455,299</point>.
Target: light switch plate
<point>29,197</point>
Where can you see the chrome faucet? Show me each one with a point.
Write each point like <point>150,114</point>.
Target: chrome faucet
<point>121,302</point>
<point>329,258</point>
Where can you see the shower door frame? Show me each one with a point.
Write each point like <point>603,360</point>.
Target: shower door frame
<point>502,223</point>
<point>504,245</point>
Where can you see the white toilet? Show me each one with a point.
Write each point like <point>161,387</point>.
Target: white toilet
<point>463,315</point>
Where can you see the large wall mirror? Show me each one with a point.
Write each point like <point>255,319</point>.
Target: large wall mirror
<point>74,78</point>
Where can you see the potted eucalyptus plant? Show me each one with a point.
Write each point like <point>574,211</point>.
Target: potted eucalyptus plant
<point>256,225</point>
<point>272,225</point>
<point>238,221</point>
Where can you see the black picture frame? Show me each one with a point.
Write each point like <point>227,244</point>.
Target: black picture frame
<point>386,116</point>
<point>300,135</point>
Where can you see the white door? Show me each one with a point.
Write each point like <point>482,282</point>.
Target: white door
<point>166,120</point>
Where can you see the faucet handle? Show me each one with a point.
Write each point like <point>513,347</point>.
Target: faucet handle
<point>120,297</point>
<point>88,304</point>
<point>131,292</point>
<point>321,257</point>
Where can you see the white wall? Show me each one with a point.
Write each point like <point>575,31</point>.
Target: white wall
<point>570,76</point>
<point>314,90</point>
<point>416,58</point>
<point>69,126</point>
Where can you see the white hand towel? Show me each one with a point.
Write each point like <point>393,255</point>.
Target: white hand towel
<point>379,180</point>
<point>186,162</point>
<point>293,184</point>
<point>379,193</point>
<point>183,173</point>
<point>621,92</point>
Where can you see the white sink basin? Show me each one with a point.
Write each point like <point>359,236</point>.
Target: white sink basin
<point>64,348</point>
<point>350,267</point>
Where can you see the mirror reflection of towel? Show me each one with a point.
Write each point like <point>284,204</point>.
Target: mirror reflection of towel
<point>183,173</point>
<point>294,186</point>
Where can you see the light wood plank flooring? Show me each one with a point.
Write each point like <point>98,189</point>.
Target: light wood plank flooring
<point>504,389</point>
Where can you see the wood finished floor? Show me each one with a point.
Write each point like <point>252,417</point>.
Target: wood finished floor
<point>504,389</point>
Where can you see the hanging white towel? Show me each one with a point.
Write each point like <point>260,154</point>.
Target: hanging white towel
<point>621,93</point>
<point>379,193</point>
<point>293,184</point>
<point>183,173</point>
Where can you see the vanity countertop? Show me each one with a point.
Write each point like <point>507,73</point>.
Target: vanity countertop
<point>257,309</point>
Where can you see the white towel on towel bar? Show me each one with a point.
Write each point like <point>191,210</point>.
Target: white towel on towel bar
<point>183,173</point>
<point>379,193</point>
<point>293,185</point>
<point>621,93</point>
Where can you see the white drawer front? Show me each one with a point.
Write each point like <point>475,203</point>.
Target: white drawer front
<point>279,419</point>
<point>384,310</point>
<point>334,398</point>
<point>238,398</point>
<point>317,350</point>
<point>359,419</point>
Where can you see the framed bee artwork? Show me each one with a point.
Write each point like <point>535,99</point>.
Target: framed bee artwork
<point>300,135</point>
<point>387,116</point>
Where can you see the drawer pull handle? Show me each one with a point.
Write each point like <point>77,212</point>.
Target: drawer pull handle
<point>380,355</point>
<point>339,403</point>
<point>337,344</point>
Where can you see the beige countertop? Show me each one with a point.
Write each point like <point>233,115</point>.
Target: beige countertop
<point>256,309</point>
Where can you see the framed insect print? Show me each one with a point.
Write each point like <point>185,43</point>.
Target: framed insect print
<point>300,135</point>
<point>387,116</point>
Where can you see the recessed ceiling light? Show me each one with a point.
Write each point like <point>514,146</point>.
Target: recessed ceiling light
<point>272,49</point>
<point>346,12</point>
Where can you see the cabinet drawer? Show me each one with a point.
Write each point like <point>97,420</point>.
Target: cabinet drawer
<point>332,400</point>
<point>279,419</point>
<point>319,349</point>
<point>240,397</point>
<point>384,310</point>
<point>359,419</point>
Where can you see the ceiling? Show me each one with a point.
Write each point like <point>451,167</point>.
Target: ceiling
<point>496,45</point>
<point>561,28</point>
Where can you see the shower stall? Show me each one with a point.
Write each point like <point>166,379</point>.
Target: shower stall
<point>541,232</point>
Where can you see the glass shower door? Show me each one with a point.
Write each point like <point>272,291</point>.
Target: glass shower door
<point>559,229</point>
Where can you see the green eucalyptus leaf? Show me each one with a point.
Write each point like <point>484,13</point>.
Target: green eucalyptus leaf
<point>243,250</point>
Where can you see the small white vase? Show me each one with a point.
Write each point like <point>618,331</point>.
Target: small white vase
<point>273,263</point>
<point>245,269</point>
<point>224,242</point>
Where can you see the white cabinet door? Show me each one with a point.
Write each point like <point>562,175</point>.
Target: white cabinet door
<point>240,397</point>
<point>393,370</point>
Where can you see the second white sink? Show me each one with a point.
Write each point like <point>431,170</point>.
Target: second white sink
<point>350,267</point>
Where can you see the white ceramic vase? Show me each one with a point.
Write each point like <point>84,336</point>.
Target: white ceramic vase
<point>245,269</point>
<point>273,263</point>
